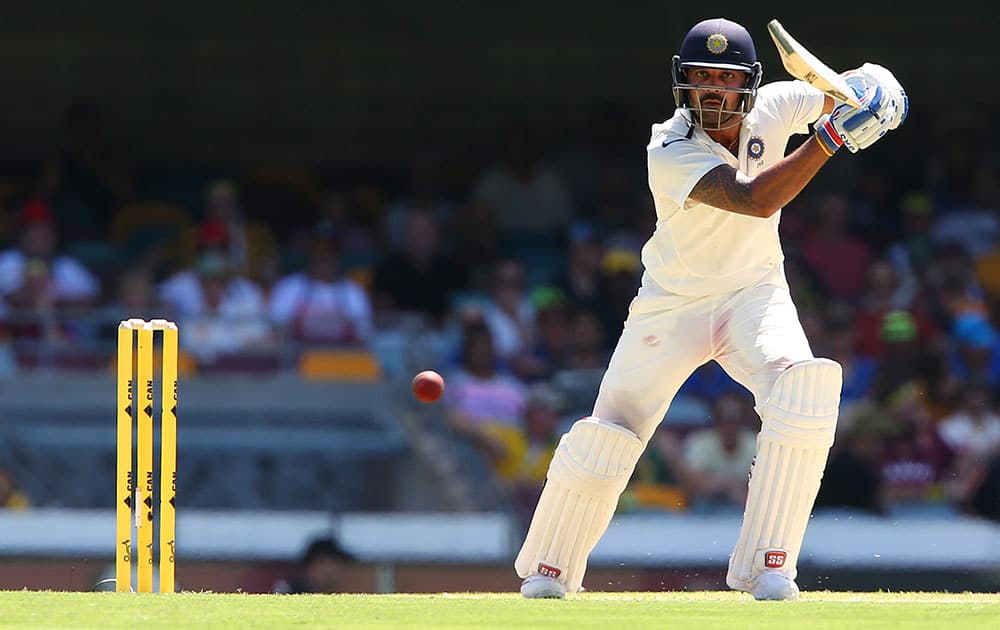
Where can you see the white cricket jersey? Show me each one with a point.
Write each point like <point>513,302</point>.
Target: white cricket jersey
<point>701,250</point>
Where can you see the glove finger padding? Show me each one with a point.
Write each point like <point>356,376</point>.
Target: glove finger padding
<point>875,73</point>
<point>887,80</point>
<point>862,127</point>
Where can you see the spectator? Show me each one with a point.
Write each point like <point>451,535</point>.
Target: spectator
<point>837,257</point>
<point>717,459</point>
<point>907,361</point>
<point>709,382</point>
<point>474,238</point>
<point>343,218</point>
<point>135,296</point>
<point>911,253</point>
<point>602,152</point>
<point>541,435</point>
<point>973,221</point>
<point>587,346</point>
<point>37,284</point>
<point>419,277</point>
<point>976,351</point>
<point>658,481</point>
<point>873,217</point>
<point>423,194</point>
<point>249,245</point>
<point>11,496</point>
<point>853,478</point>
<point>953,284</point>
<point>552,338</point>
<point>87,181</point>
<point>485,406</point>
<point>508,311</point>
<point>814,325</point>
<point>973,433</point>
<point>210,286</point>
<point>842,346</point>
<point>988,275</point>
<point>620,269</point>
<point>619,215</point>
<point>529,198</point>
<point>135,293</point>
<point>318,304</point>
<point>881,296</point>
<point>230,316</point>
<point>958,151</point>
<point>916,457</point>
<point>581,277</point>
<point>974,427</point>
<point>323,568</point>
<point>804,284</point>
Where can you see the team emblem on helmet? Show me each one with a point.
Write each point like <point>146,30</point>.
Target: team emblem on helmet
<point>755,148</point>
<point>717,43</point>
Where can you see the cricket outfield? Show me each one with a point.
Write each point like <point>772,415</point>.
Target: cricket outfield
<point>703,610</point>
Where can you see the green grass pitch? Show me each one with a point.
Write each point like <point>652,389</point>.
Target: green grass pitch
<point>634,611</point>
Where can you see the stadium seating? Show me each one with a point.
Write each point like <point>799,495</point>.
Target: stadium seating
<point>338,364</point>
<point>276,443</point>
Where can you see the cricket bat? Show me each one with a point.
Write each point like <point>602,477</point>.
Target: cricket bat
<point>802,64</point>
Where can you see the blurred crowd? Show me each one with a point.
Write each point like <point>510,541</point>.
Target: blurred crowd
<point>522,268</point>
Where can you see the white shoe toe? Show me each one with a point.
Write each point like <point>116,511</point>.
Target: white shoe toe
<point>772,585</point>
<point>541,587</point>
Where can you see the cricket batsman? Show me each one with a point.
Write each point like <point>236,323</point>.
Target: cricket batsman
<point>713,287</point>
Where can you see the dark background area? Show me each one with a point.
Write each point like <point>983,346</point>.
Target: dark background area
<point>371,83</point>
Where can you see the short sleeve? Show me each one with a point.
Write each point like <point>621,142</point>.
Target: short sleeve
<point>798,104</point>
<point>285,298</point>
<point>11,271</point>
<point>75,281</point>
<point>359,309</point>
<point>677,165</point>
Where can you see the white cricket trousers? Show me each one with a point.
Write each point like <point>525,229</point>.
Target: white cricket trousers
<point>753,333</point>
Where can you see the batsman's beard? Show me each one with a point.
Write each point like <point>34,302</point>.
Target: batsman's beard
<point>715,118</point>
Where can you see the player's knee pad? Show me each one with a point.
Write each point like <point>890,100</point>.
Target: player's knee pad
<point>803,405</point>
<point>798,423</point>
<point>589,470</point>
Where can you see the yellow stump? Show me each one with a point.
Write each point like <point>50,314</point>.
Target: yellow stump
<point>135,489</point>
<point>124,488</point>
<point>144,461</point>
<point>168,454</point>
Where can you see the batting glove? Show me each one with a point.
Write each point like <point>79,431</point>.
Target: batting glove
<point>894,92</point>
<point>859,128</point>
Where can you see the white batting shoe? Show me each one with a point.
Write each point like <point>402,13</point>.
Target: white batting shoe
<point>774,585</point>
<point>537,586</point>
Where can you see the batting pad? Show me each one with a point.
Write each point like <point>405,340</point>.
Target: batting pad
<point>798,423</point>
<point>589,470</point>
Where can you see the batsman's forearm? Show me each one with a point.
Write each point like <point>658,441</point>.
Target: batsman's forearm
<point>779,183</point>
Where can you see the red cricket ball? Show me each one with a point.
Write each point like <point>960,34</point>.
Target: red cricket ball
<point>428,386</point>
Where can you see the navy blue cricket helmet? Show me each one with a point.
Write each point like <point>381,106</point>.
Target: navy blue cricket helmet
<point>717,43</point>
